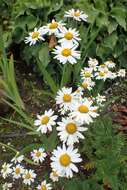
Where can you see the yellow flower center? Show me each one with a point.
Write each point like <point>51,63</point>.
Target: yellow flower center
<point>55,174</point>
<point>66,52</point>
<point>84,85</point>
<point>95,110</point>
<point>71,128</point>
<point>27,175</point>
<point>87,74</point>
<point>35,35</point>
<point>83,109</point>
<point>67,98</point>
<point>45,120</point>
<point>43,187</point>
<point>38,154</point>
<point>68,36</point>
<point>101,74</point>
<point>53,25</point>
<point>102,65</point>
<point>77,13</point>
<point>65,160</point>
<point>17,171</point>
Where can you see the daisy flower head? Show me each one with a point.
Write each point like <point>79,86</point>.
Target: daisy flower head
<point>6,186</point>
<point>53,27</point>
<point>18,170</point>
<point>34,36</point>
<point>121,73</point>
<point>28,177</point>
<point>65,98</point>
<point>88,84</point>
<point>83,111</point>
<point>45,121</point>
<point>17,158</point>
<point>70,131</point>
<point>44,186</point>
<point>38,155</point>
<point>6,170</point>
<point>92,63</point>
<point>76,15</point>
<point>101,75</point>
<point>100,99</point>
<point>111,75</point>
<point>64,160</point>
<point>66,53</point>
<point>110,64</point>
<point>54,176</point>
<point>69,36</point>
<point>86,73</point>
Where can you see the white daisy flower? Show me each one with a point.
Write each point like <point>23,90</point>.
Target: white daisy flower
<point>18,170</point>
<point>64,159</point>
<point>34,36</point>
<point>54,176</point>
<point>86,73</point>
<point>18,159</point>
<point>79,92</point>
<point>45,121</point>
<point>93,63</point>
<point>111,75</point>
<point>110,64</point>
<point>84,111</point>
<point>6,186</point>
<point>121,73</point>
<point>88,84</point>
<point>53,27</point>
<point>69,36</point>
<point>6,170</point>
<point>44,186</point>
<point>28,177</point>
<point>38,155</point>
<point>67,53</point>
<point>70,131</point>
<point>100,99</point>
<point>65,98</point>
<point>76,15</point>
<point>101,75</point>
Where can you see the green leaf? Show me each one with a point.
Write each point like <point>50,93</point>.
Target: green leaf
<point>119,13</point>
<point>111,40</point>
<point>44,55</point>
<point>30,148</point>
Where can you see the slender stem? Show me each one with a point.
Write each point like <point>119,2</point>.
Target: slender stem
<point>15,151</point>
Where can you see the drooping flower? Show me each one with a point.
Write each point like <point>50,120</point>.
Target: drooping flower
<point>64,160</point>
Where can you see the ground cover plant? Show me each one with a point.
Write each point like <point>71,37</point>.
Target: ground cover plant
<point>59,64</point>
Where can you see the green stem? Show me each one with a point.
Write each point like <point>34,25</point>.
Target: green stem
<point>16,152</point>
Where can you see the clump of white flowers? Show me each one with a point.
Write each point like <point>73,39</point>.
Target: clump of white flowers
<point>75,109</point>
